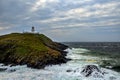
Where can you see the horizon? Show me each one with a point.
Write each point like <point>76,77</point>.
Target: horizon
<point>68,41</point>
<point>63,21</point>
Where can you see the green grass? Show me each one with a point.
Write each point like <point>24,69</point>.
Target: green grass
<point>26,40</point>
<point>28,47</point>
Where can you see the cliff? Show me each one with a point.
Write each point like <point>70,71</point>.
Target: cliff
<point>33,50</point>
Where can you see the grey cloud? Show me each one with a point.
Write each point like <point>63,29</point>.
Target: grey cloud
<point>50,16</point>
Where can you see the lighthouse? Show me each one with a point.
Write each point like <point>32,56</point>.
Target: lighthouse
<point>33,29</point>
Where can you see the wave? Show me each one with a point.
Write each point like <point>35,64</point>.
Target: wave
<point>69,71</point>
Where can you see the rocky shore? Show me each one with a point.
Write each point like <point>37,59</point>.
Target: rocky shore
<point>33,50</point>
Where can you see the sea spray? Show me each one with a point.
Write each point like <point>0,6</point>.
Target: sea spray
<point>69,71</point>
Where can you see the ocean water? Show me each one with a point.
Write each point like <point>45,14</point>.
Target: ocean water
<point>69,71</point>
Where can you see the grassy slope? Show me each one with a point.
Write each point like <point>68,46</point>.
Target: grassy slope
<point>27,48</point>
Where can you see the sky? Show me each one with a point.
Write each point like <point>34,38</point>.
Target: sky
<point>63,20</point>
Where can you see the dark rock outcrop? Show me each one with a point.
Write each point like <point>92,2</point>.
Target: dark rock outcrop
<point>92,70</point>
<point>3,69</point>
<point>68,70</point>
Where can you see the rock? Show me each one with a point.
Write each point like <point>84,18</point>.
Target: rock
<point>3,69</point>
<point>11,65</point>
<point>116,68</point>
<point>69,70</point>
<point>112,78</point>
<point>11,70</point>
<point>1,64</point>
<point>33,50</point>
<point>92,70</point>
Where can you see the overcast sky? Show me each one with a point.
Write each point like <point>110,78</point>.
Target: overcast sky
<point>63,20</point>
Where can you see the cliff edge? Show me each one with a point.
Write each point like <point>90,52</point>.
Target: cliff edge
<point>33,50</point>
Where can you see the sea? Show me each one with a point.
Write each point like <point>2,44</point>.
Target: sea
<point>104,55</point>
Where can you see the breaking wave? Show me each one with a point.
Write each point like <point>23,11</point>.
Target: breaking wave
<point>69,71</point>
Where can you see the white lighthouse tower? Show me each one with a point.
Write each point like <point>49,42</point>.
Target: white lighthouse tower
<point>33,29</point>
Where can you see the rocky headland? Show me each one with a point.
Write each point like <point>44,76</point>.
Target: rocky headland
<point>31,49</point>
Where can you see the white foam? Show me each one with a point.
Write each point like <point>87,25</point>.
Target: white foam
<point>59,72</point>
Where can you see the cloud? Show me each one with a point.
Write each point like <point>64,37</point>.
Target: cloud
<point>82,17</point>
<point>107,23</point>
<point>3,28</point>
<point>42,4</point>
<point>89,11</point>
<point>52,16</point>
<point>6,26</point>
